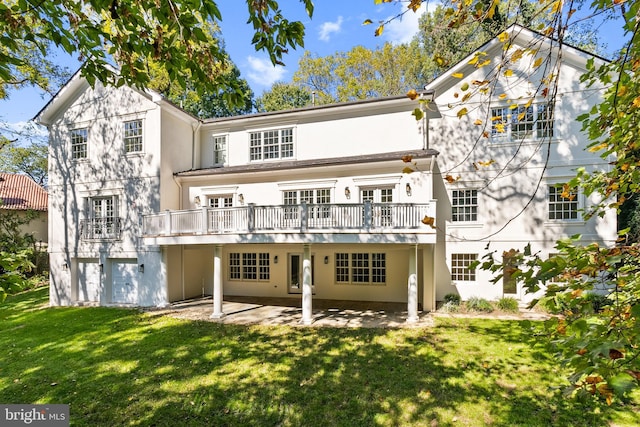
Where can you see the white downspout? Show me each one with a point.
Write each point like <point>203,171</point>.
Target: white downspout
<point>194,130</point>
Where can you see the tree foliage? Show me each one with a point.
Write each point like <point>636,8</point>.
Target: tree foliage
<point>17,250</point>
<point>361,73</point>
<point>599,343</point>
<point>210,104</point>
<point>30,160</point>
<point>283,96</point>
<point>132,33</point>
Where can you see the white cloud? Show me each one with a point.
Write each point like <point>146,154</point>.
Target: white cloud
<point>402,30</point>
<point>263,73</point>
<point>328,28</point>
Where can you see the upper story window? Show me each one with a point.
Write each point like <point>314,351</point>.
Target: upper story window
<point>511,123</point>
<point>563,202</point>
<point>464,205</point>
<point>79,139</point>
<point>133,136</point>
<point>219,149</point>
<point>271,144</point>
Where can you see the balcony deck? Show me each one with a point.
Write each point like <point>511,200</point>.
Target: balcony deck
<point>388,222</point>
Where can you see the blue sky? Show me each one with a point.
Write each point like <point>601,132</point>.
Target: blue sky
<point>336,26</point>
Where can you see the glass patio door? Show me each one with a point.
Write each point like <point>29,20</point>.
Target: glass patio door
<point>296,271</point>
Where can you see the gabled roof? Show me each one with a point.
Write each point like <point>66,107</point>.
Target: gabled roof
<point>77,84</point>
<point>518,36</point>
<point>19,192</point>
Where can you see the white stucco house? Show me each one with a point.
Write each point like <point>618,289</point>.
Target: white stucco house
<point>149,205</point>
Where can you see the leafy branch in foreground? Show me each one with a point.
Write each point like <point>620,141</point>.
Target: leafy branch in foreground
<point>594,293</point>
<point>593,288</point>
<point>174,33</point>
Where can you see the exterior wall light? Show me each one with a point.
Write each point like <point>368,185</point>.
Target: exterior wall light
<point>408,188</point>
<point>326,259</point>
<point>347,192</point>
<point>241,198</point>
<point>101,265</point>
<point>141,268</point>
<point>196,200</point>
<point>275,259</point>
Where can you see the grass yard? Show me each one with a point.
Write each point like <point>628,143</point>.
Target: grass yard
<point>125,367</point>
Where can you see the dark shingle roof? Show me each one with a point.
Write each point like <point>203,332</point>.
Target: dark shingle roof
<point>19,192</point>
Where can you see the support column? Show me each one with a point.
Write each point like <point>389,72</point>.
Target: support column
<point>307,291</point>
<point>412,291</point>
<point>217,283</point>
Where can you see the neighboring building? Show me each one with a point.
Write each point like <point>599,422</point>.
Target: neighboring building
<point>23,196</point>
<point>150,205</point>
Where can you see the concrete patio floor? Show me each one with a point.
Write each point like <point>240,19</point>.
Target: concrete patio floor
<point>288,311</point>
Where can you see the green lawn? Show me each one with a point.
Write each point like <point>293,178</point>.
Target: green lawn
<point>125,367</point>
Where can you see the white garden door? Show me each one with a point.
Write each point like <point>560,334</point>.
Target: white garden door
<point>89,284</point>
<point>125,282</point>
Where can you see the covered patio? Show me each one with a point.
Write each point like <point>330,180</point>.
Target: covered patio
<point>288,311</point>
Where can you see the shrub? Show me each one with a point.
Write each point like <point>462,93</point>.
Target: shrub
<point>508,304</point>
<point>479,304</point>
<point>450,307</point>
<point>452,298</point>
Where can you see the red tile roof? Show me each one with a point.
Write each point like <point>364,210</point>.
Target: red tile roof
<point>19,192</point>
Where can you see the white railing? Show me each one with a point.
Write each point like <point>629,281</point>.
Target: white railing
<point>364,217</point>
<point>101,228</point>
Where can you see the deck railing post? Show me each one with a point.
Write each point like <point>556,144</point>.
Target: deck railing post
<point>205,221</point>
<point>368,215</point>
<point>251,217</point>
<point>304,216</point>
<point>167,222</point>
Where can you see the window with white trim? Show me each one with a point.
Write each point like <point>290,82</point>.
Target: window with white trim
<point>318,198</point>
<point>460,267</point>
<point>79,139</point>
<point>464,205</point>
<point>219,149</point>
<point>562,202</point>
<point>221,201</point>
<point>517,122</point>
<point>361,268</point>
<point>102,221</point>
<point>271,144</point>
<point>133,136</point>
<point>249,266</point>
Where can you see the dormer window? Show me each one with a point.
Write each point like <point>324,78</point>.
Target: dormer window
<point>271,144</point>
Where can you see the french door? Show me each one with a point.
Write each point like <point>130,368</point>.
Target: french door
<point>381,215</point>
<point>222,219</point>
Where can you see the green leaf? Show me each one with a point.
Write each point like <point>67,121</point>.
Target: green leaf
<point>417,113</point>
<point>622,383</point>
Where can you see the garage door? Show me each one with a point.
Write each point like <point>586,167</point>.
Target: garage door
<point>125,282</point>
<point>89,286</point>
